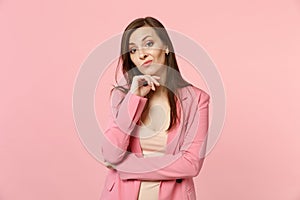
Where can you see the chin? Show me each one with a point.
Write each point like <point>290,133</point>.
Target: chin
<point>150,73</point>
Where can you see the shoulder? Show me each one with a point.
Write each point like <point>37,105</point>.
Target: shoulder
<point>117,95</point>
<point>193,93</point>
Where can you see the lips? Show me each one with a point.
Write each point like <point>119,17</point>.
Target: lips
<point>147,63</point>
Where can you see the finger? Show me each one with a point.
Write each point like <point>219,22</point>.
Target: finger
<point>156,77</point>
<point>148,80</point>
<point>154,80</point>
<point>141,80</point>
<point>153,87</point>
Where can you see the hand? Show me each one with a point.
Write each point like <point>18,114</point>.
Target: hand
<point>142,84</point>
<point>109,165</point>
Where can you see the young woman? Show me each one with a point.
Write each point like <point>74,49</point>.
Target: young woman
<point>158,127</point>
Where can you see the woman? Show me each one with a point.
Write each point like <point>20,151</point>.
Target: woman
<point>158,127</point>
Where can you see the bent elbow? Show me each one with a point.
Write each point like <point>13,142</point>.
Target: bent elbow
<point>197,167</point>
<point>113,156</point>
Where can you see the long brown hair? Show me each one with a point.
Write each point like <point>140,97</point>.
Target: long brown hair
<point>129,70</point>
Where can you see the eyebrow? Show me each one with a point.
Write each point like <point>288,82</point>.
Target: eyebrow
<point>142,39</point>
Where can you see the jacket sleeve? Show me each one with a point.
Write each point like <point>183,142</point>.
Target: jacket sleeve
<point>186,163</point>
<point>126,111</point>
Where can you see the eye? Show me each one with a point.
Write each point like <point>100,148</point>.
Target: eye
<point>149,44</point>
<point>132,50</point>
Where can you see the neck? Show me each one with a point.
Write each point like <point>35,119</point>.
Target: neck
<point>161,90</point>
<point>163,77</point>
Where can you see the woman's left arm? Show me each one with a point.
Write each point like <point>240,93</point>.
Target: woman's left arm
<point>187,163</point>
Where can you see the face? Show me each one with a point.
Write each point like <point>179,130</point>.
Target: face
<point>147,51</point>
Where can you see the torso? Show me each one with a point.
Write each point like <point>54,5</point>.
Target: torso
<point>153,139</point>
<point>157,115</point>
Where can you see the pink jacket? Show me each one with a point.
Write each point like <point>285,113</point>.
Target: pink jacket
<point>184,152</point>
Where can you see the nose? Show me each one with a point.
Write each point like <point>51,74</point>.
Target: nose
<point>142,53</point>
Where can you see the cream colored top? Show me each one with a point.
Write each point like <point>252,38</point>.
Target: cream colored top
<point>153,143</point>
<point>153,139</point>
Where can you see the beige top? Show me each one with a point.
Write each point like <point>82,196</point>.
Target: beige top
<point>153,143</point>
<point>153,139</point>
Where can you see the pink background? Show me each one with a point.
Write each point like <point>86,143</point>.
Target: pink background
<point>255,45</point>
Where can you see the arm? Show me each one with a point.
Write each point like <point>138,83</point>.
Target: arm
<point>187,163</point>
<point>126,111</point>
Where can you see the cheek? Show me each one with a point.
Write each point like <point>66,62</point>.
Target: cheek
<point>133,59</point>
<point>160,55</point>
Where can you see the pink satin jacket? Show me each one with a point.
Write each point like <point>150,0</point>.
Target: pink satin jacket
<point>184,155</point>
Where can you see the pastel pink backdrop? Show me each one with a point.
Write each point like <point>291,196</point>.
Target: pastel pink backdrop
<point>255,45</point>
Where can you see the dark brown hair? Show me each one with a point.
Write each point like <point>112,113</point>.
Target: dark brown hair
<point>174,78</point>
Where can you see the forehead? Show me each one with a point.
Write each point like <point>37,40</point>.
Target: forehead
<point>140,33</point>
